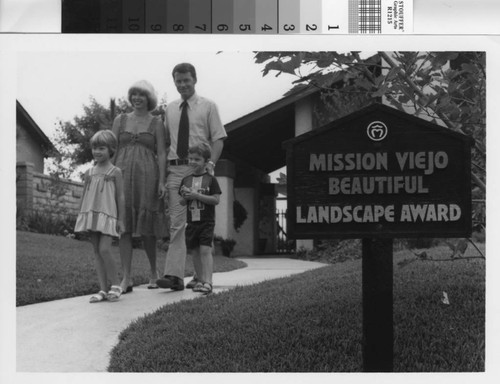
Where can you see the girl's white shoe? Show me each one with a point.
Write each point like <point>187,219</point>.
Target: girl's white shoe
<point>114,293</point>
<point>99,296</point>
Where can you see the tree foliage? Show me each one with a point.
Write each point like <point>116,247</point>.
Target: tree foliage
<point>72,138</point>
<point>447,88</point>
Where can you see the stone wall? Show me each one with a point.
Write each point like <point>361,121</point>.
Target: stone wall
<point>40,192</point>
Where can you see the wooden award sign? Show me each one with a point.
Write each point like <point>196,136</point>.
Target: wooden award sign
<point>378,174</point>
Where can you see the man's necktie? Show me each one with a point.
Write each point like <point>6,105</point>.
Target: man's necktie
<point>183,136</point>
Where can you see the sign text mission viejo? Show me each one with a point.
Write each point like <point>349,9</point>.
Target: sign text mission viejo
<point>427,162</point>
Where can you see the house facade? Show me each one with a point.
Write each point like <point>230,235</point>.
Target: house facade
<point>252,150</point>
<point>32,145</point>
<point>34,189</point>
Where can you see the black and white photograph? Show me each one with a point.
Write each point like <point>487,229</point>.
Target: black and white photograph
<point>301,209</point>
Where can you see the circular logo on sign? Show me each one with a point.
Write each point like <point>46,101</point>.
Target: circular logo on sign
<point>376,130</point>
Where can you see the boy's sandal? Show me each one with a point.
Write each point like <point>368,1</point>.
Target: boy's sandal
<point>192,283</point>
<point>99,296</point>
<point>205,288</point>
<point>114,293</point>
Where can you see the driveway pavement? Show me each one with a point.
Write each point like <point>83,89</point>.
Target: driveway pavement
<point>71,335</point>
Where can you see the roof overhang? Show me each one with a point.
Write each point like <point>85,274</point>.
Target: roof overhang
<point>26,120</point>
<point>256,138</point>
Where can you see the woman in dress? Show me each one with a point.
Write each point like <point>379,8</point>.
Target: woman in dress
<point>141,156</point>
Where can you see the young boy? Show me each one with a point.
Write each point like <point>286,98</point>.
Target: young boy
<point>201,192</point>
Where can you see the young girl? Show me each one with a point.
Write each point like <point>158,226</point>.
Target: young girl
<point>101,210</point>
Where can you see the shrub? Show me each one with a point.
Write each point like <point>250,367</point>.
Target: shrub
<point>45,222</point>
<point>54,218</point>
<point>227,245</point>
<point>21,222</point>
<point>331,251</point>
<point>479,236</point>
<point>240,214</point>
<point>421,242</point>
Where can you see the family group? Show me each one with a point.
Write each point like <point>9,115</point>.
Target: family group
<point>138,164</point>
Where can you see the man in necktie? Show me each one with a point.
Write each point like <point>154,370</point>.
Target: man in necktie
<point>190,120</point>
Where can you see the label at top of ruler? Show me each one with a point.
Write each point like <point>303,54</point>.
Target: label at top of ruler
<point>367,17</point>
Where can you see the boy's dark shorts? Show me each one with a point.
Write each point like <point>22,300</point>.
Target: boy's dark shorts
<point>201,233</point>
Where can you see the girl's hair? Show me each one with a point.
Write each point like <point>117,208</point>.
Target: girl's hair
<point>146,88</point>
<point>201,149</point>
<point>105,138</point>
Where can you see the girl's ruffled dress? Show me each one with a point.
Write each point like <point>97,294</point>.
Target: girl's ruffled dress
<point>99,212</point>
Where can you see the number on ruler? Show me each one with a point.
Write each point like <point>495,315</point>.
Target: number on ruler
<point>111,24</point>
<point>203,27</point>
<point>333,27</point>
<point>290,27</point>
<point>245,27</point>
<point>155,27</point>
<point>178,27</point>
<point>133,26</point>
<point>267,28</point>
<point>311,27</point>
<point>222,27</point>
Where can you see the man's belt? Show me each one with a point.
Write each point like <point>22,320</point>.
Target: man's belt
<point>179,162</point>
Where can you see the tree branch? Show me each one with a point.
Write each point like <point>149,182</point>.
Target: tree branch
<point>475,246</point>
<point>478,181</point>
<point>441,115</point>
<point>457,258</point>
<point>417,90</point>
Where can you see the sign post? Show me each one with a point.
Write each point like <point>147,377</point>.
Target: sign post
<point>379,174</point>
<point>378,328</point>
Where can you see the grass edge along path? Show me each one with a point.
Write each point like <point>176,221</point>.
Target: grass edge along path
<point>52,267</point>
<point>312,322</point>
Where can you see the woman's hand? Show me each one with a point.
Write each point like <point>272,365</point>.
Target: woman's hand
<point>162,190</point>
<point>120,227</point>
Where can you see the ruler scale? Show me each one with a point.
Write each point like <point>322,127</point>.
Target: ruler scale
<point>200,16</point>
<point>266,16</point>
<point>222,16</point>
<point>133,14</point>
<point>283,17</point>
<point>177,16</point>
<point>289,16</point>
<point>244,16</point>
<point>310,23</point>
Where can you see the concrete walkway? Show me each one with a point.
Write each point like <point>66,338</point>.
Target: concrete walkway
<point>72,335</point>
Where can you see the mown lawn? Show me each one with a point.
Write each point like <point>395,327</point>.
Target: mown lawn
<point>55,267</point>
<point>312,322</point>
